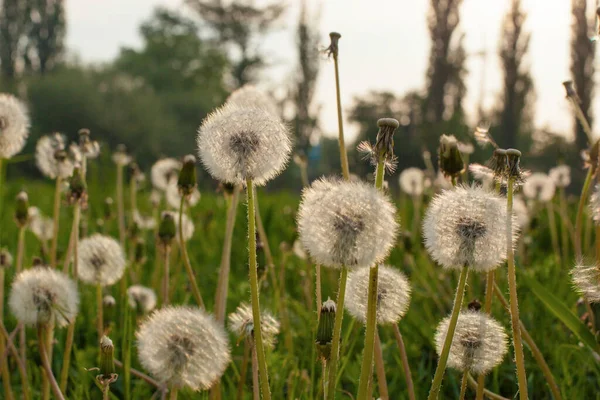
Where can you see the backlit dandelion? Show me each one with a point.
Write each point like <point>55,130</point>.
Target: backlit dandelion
<point>466,226</point>
<point>249,96</point>
<point>51,157</point>
<point>346,223</point>
<point>242,325</point>
<point>101,260</point>
<point>561,176</point>
<point>539,187</point>
<point>393,294</point>
<point>479,343</point>
<point>41,295</point>
<point>163,171</point>
<point>412,181</point>
<point>587,281</point>
<point>141,298</point>
<point>14,125</point>
<point>183,347</point>
<point>236,144</point>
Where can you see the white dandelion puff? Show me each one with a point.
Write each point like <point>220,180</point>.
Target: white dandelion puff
<point>412,181</point>
<point>249,96</point>
<point>467,226</point>
<point>348,224</point>
<point>163,171</point>
<point>41,226</point>
<point>479,343</point>
<point>141,298</point>
<point>143,222</point>
<point>587,281</point>
<point>188,225</point>
<point>393,294</point>
<point>101,260</point>
<point>51,157</point>
<point>173,195</point>
<point>183,347</point>
<point>41,295</point>
<point>237,143</point>
<point>91,150</point>
<point>561,176</point>
<point>539,187</point>
<point>241,323</point>
<point>482,174</point>
<point>14,125</point>
<point>120,156</point>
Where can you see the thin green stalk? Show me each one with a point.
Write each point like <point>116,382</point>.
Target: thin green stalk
<point>514,305</point>
<point>579,218</point>
<point>343,154</point>
<point>318,289</point>
<point>488,394</point>
<point>99,312</point>
<point>126,350</point>
<point>553,232</point>
<point>380,369</point>
<point>186,259</point>
<point>20,249</point>
<point>255,379</point>
<point>463,385</point>
<point>4,364</point>
<point>64,372</point>
<point>337,331</point>
<point>262,234</point>
<point>120,206</point>
<point>258,342</point>
<point>582,119</point>
<point>563,223</point>
<point>487,308</point>
<point>244,371</point>
<point>410,387</point>
<point>44,355</point>
<point>20,361</point>
<point>441,367</point>
<point>55,217</point>
<point>165,282</point>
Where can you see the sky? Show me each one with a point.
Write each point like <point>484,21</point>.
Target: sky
<point>384,46</point>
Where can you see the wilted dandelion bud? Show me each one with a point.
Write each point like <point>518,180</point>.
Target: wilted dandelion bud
<point>449,157</point>
<point>333,49</point>
<point>22,209</point>
<point>167,229</point>
<point>587,281</point>
<point>325,329</point>
<point>186,182</point>
<point>393,294</point>
<point>86,147</point>
<point>561,176</point>
<point>498,165</point>
<point>107,364</point>
<point>187,225</point>
<point>14,125</point>
<point>183,347</point>
<point>120,156</point>
<point>479,343</point>
<point>539,187</point>
<point>163,171</point>
<point>384,146</point>
<point>466,226</point>
<point>344,223</point>
<point>242,325</point>
<point>249,96</point>
<point>239,143</point>
<point>570,91</point>
<point>513,165</point>
<point>101,260</point>
<point>141,298</point>
<point>412,181</point>
<point>42,227</point>
<point>51,157</point>
<point>41,295</point>
<point>77,188</point>
<point>108,301</point>
<point>6,259</point>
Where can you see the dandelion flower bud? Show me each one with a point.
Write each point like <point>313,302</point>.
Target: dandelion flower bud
<point>163,171</point>
<point>344,223</point>
<point>239,143</point>
<point>333,48</point>
<point>42,227</point>
<point>173,195</point>
<point>186,181</point>
<point>498,165</point>
<point>167,229</point>
<point>107,364</point>
<point>393,294</point>
<point>412,181</point>
<point>449,157</point>
<point>325,329</point>
<point>51,157</point>
<point>141,298</point>
<point>77,188</point>
<point>561,176</point>
<point>42,295</point>
<point>86,147</point>
<point>22,209</point>
<point>187,225</point>
<point>539,187</point>
<point>6,259</point>
<point>479,343</point>
<point>183,346</point>
<point>249,96</point>
<point>101,260</point>
<point>120,156</point>
<point>587,281</point>
<point>467,226</point>
<point>384,146</point>
<point>241,323</point>
<point>14,125</point>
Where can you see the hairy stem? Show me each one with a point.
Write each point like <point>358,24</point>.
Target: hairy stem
<point>463,385</point>
<point>342,144</point>
<point>42,333</point>
<point>255,381</point>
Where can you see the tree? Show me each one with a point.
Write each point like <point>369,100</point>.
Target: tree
<point>239,26</point>
<point>46,35</point>
<point>13,27</point>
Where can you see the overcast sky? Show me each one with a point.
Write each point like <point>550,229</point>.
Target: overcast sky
<point>384,46</point>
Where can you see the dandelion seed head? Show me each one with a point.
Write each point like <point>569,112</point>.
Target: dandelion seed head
<point>393,294</point>
<point>141,298</point>
<point>91,150</point>
<point>242,325</point>
<point>412,181</point>
<point>479,343</point>
<point>561,175</point>
<point>539,187</point>
<point>236,144</point>
<point>42,295</point>
<point>101,260</point>
<point>346,223</point>
<point>183,347</point>
<point>248,96</point>
<point>173,195</point>
<point>188,225</point>
<point>467,226</point>
<point>586,279</point>
<point>120,156</point>
<point>14,125</point>
<point>163,171</point>
<point>51,157</point>
<point>41,226</point>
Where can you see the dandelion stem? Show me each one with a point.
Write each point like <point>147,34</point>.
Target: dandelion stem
<point>490,395</point>
<point>343,154</point>
<point>20,361</point>
<point>380,369</point>
<point>318,289</point>
<point>4,363</point>
<point>20,249</point>
<point>337,331</point>
<point>64,372</point>
<point>262,234</point>
<point>410,388</point>
<point>514,305</point>
<point>142,376</point>
<point>258,342</point>
<point>487,308</point>
<point>255,383</point>
<point>186,258</point>
<point>579,218</point>
<point>441,367</point>
<point>56,216</point>
<point>166,258</point>
<point>244,371</point>
<point>42,333</point>
<point>120,205</point>
<point>563,223</point>
<point>463,385</point>
<point>99,312</point>
<point>581,118</point>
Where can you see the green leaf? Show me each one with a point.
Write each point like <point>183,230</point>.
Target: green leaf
<point>562,312</point>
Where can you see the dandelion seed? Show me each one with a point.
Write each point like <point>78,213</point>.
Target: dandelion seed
<point>42,227</point>
<point>51,157</point>
<point>241,323</point>
<point>101,260</point>
<point>587,281</point>
<point>479,343</point>
<point>539,187</point>
<point>249,96</point>
<point>412,181</point>
<point>346,223</point>
<point>482,134</point>
<point>237,143</point>
<point>41,295</point>
<point>467,226</point>
<point>188,225</point>
<point>561,176</point>
<point>141,298</point>
<point>183,347</point>
<point>163,171</point>
<point>393,294</point>
<point>14,125</point>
